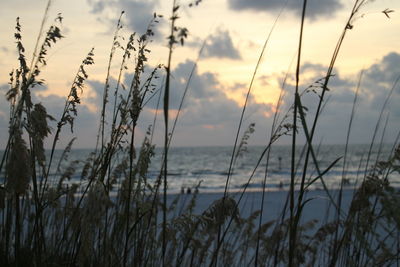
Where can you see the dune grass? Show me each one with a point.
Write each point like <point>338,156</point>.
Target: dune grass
<point>45,222</point>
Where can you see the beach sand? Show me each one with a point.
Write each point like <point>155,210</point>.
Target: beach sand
<point>318,207</point>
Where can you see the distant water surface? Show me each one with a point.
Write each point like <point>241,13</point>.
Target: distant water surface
<point>208,166</point>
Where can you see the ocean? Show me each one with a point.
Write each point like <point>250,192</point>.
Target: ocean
<point>207,167</point>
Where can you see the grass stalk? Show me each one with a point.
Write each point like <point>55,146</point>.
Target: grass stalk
<point>293,222</point>
<point>171,43</point>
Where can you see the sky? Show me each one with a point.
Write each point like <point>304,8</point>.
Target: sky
<point>234,32</point>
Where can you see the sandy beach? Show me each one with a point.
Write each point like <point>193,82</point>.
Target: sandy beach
<point>319,207</point>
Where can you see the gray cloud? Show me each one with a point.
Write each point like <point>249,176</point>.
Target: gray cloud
<point>220,45</point>
<point>376,84</point>
<point>205,102</point>
<point>202,86</point>
<point>85,124</point>
<point>315,8</point>
<point>211,113</point>
<point>379,79</point>
<point>138,14</point>
<point>386,70</point>
<point>4,115</point>
<point>208,116</point>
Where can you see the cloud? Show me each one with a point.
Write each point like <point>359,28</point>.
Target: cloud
<point>208,116</point>
<point>138,14</point>
<point>4,115</point>
<point>206,102</point>
<point>377,81</point>
<point>145,9</point>
<point>388,69</point>
<point>315,8</point>
<point>85,124</point>
<point>380,78</point>
<point>220,45</point>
